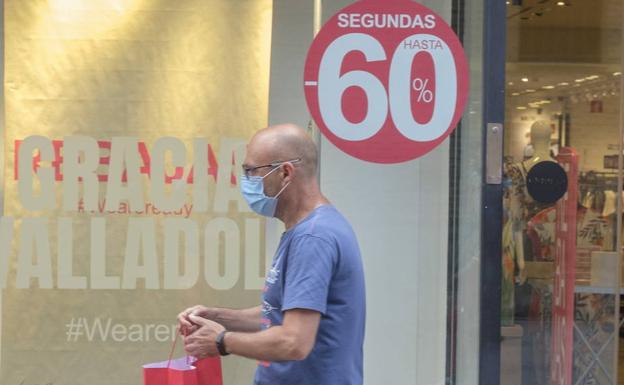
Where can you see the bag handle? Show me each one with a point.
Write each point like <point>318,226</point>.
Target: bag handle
<point>175,339</point>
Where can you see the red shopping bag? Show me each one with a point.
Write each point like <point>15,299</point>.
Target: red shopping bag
<point>183,371</point>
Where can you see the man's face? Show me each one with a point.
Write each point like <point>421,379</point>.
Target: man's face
<point>256,156</point>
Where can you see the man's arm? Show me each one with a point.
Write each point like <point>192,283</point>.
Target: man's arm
<point>241,320</point>
<point>293,340</point>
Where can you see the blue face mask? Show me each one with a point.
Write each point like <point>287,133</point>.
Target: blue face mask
<point>252,188</point>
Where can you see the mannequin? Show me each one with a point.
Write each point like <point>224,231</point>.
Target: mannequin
<point>522,207</point>
<point>540,140</point>
<point>530,300</point>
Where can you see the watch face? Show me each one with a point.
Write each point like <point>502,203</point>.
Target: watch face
<point>547,182</point>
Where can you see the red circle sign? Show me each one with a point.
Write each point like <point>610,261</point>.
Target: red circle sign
<point>386,81</point>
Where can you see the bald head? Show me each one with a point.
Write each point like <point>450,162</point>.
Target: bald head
<point>285,142</point>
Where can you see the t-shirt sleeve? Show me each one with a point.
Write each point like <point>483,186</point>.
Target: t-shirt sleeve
<point>308,274</point>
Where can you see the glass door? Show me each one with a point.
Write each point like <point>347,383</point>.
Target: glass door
<point>562,193</point>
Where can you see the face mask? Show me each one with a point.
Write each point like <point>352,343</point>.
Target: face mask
<point>252,188</point>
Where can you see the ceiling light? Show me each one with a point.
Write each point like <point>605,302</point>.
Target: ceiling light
<point>579,80</point>
<point>521,108</point>
<point>515,94</point>
<point>510,83</point>
<point>561,3</point>
<point>563,84</point>
<point>525,79</point>
<point>592,77</point>
<point>530,90</point>
<point>548,87</point>
<point>617,73</point>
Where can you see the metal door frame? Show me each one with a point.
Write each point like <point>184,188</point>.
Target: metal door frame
<point>494,46</point>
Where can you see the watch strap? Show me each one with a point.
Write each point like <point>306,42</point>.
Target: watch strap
<point>221,343</point>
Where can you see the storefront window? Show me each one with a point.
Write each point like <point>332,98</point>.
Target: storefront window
<point>94,271</point>
<point>93,287</point>
<point>561,252</point>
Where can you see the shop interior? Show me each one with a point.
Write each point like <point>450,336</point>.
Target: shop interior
<point>563,91</point>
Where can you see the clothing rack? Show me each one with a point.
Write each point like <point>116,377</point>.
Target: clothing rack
<point>603,179</point>
<point>594,187</point>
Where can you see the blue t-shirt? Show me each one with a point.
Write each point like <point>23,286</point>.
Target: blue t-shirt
<point>318,267</point>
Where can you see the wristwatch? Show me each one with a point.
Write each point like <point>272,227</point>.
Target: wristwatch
<point>221,343</point>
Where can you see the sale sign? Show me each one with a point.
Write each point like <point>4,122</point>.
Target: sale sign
<point>386,81</point>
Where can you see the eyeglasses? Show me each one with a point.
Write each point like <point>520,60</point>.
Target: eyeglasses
<point>249,170</point>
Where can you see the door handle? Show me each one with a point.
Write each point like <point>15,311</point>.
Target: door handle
<point>494,154</point>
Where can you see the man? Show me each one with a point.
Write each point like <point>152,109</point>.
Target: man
<point>310,326</point>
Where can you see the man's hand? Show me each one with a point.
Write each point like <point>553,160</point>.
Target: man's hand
<point>236,320</point>
<point>201,343</point>
<point>185,325</point>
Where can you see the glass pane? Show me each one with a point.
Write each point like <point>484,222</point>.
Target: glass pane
<point>465,240</point>
<point>421,254</point>
<point>401,222</point>
<point>91,288</point>
<point>563,117</point>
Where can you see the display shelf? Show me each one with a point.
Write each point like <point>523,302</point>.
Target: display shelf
<point>596,290</point>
